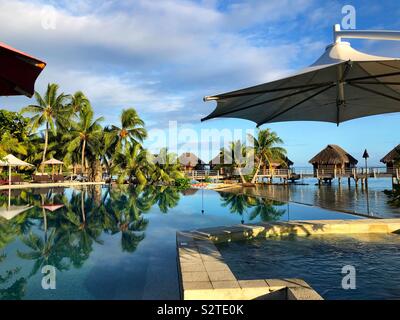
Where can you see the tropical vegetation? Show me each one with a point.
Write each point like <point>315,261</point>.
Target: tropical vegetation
<point>64,126</point>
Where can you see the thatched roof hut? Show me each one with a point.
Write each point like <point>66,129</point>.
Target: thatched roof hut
<point>189,160</point>
<point>332,157</point>
<point>223,158</point>
<point>286,163</point>
<point>392,157</point>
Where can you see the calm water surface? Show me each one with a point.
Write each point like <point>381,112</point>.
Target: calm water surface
<point>342,197</point>
<point>319,261</point>
<point>115,243</point>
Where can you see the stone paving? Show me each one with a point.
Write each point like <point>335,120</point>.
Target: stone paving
<point>205,276</point>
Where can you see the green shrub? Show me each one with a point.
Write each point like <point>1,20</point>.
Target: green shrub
<point>182,183</point>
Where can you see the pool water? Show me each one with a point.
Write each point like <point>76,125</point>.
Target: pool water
<point>319,261</point>
<point>339,197</point>
<point>115,243</point>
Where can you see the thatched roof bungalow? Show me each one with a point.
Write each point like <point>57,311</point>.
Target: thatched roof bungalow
<point>333,158</point>
<point>392,159</point>
<point>189,161</point>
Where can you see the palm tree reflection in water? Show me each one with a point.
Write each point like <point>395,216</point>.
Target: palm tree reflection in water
<point>64,228</point>
<point>263,208</point>
<point>65,236</point>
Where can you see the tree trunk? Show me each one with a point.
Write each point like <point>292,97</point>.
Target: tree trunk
<point>95,171</point>
<point>46,141</point>
<point>83,207</point>
<point>83,157</point>
<point>241,175</point>
<point>256,173</point>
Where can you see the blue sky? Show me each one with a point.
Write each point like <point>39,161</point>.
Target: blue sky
<point>162,57</point>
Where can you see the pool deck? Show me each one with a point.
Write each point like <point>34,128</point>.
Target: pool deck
<point>48,185</point>
<point>204,275</point>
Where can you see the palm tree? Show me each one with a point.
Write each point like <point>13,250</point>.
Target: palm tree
<point>9,144</point>
<point>133,162</point>
<point>267,150</point>
<point>240,154</point>
<point>50,111</point>
<point>85,133</point>
<point>131,132</point>
<point>165,167</point>
<point>78,102</point>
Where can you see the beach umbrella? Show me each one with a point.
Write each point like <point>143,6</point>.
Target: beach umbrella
<point>18,72</point>
<point>12,161</point>
<point>52,207</point>
<point>343,84</point>
<point>53,162</point>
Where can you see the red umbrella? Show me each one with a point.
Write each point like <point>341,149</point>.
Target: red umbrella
<point>18,72</point>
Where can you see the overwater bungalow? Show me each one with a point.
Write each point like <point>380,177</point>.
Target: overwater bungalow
<point>332,162</point>
<point>189,162</point>
<point>222,162</point>
<point>392,159</point>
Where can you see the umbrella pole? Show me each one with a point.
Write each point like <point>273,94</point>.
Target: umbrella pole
<point>9,175</point>
<point>9,199</point>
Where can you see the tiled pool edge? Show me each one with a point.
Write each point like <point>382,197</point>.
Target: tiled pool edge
<point>204,275</point>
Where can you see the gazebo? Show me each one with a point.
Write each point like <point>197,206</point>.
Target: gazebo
<point>53,162</point>
<point>392,159</point>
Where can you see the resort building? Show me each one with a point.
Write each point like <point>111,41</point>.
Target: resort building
<point>331,162</point>
<point>392,159</point>
<point>189,162</point>
<point>222,162</point>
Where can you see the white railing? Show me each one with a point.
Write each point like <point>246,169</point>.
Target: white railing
<point>203,173</point>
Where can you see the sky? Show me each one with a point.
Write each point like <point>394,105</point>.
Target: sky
<point>163,56</point>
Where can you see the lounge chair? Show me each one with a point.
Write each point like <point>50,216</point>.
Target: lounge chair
<point>16,180</point>
<point>58,178</point>
<point>44,178</point>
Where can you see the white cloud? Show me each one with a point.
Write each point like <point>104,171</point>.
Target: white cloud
<point>158,56</point>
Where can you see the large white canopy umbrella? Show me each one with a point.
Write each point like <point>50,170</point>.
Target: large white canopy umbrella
<point>12,161</point>
<point>343,84</point>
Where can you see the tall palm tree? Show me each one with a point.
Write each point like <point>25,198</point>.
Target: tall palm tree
<point>240,156</point>
<point>10,144</point>
<point>50,111</point>
<point>130,132</point>
<point>267,149</point>
<point>84,133</point>
<point>165,167</point>
<point>78,101</point>
<point>133,162</point>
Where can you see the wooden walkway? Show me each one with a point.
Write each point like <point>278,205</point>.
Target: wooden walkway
<point>322,175</point>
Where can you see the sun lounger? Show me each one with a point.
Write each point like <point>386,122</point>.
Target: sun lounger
<point>41,178</point>
<point>16,180</point>
<point>58,178</point>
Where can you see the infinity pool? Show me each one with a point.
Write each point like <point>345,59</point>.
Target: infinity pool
<point>115,243</point>
<point>319,261</point>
